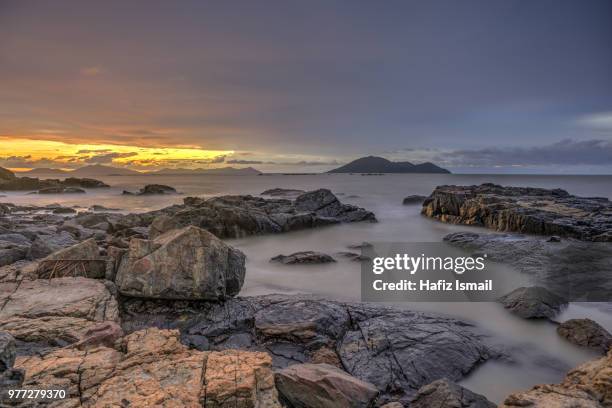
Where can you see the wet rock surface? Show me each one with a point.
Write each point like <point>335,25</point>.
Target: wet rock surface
<point>414,199</point>
<point>239,216</point>
<point>397,351</point>
<point>587,386</point>
<point>304,257</point>
<point>523,209</point>
<point>153,189</point>
<point>586,333</point>
<point>446,394</point>
<point>573,269</point>
<point>187,264</point>
<point>323,386</point>
<point>533,302</point>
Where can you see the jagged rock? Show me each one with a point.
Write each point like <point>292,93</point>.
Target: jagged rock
<point>363,245</point>
<point>353,256</point>
<point>155,369</point>
<point>323,386</point>
<point>45,245</point>
<point>84,182</point>
<point>189,263</point>
<point>586,333</point>
<point>18,239</point>
<point>61,190</point>
<point>587,386</point>
<point>282,192</point>
<point>305,257</point>
<point>239,216</point>
<point>575,270</point>
<point>7,351</point>
<point>11,253</point>
<point>396,350</point>
<point>153,189</point>
<point>446,394</point>
<point>161,225</point>
<point>54,312</point>
<point>103,334</point>
<point>533,302</point>
<point>523,209</point>
<point>82,259</point>
<point>414,199</point>
<point>64,210</point>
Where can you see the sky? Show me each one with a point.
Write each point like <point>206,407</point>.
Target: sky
<point>502,86</point>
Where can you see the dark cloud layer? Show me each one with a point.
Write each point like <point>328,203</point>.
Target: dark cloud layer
<point>108,157</point>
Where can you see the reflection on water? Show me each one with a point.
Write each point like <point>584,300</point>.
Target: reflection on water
<point>538,354</point>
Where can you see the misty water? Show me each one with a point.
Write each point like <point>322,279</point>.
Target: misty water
<point>538,354</point>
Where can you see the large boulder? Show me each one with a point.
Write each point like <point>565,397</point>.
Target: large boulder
<point>523,209</point>
<point>154,369</point>
<point>446,394</point>
<point>188,263</point>
<point>398,351</point>
<point>533,302</point>
<point>55,312</point>
<point>82,259</point>
<point>586,333</point>
<point>45,245</point>
<point>587,386</point>
<point>323,386</point>
<point>239,216</point>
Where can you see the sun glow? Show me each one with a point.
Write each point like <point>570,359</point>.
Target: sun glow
<point>22,154</point>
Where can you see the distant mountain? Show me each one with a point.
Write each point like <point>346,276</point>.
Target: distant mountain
<point>373,164</point>
<point>43,171</point>
<point>97,170</point>
<point>224,171</point>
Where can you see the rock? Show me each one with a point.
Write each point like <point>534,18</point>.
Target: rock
<point>84,183</point>
<point>55,312</point>
<point>101,208</point>
<point>575,270</point>
<point>587,386</point>
<point>586,333</point>
<point>445,394</point>
<point>554,238</point>
<point>363,245</point>
<point>103,334</point>
<point>189,263</point>
<point>239,216</point>
<point>45,245</point>
<point>155,369</point>
<point>305,257</point>
<point>323,386</point>
<point>82,259</point>
<point>282,192</point>
<point>414,199</point>
<point>392,405</point>
<point>533,302</point>
<point>398,351</point>
<point>354,256</point>
<point>522,209</point>
<point>162,224</point>
<point>18,239</point>
<point>64,210</point>
<point>6,174</point>
<point>153,189</point>
<point>61,190</point>
<point>11,253</point>
<point>7,351</point>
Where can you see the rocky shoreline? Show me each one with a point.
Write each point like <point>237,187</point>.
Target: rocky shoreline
<point>142,310</point>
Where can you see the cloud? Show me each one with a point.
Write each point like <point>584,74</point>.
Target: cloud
<point>91,71</point>
<point>217,159</point>
<point>109,157</point>
<point>87,151</point>
<point>601,121</point>
<point>565,152</point>
<point>234,161</point>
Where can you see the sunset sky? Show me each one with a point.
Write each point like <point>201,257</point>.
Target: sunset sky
<point>285,85</point>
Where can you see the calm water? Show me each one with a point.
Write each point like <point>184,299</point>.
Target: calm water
<point>539,355</point>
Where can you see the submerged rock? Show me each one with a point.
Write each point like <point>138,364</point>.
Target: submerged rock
<point>446,394</point>
<point>523,209</point>
<point>587,386</point>
<point>586,333</point>
<point>189,264</point>
<point>323,386</point>
<point>414,199</point>
<point>239,216</point>
<point>533,302</point>
<point>61,190</point>
<point>154,361</point>
<point>154,189</point>
<point>305,257</point>
<point>398,351</point>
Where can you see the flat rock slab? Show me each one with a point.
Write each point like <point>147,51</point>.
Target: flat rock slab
<point>523,209</point>
<point>243,215</point>
<point>397,351</point>
<point>154,369</point>
<point>54,312</point>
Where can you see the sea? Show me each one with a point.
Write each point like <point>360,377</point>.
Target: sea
<point>536,354</point>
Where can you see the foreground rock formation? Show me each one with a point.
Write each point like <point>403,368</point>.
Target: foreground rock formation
<point>152,368</point>
<point>523,209</point>
<point>187,264</point>
<point>239,216</point>
<point>586,333</point>
<point>587,386</point>
<point>397,351</point>
<point>445,394</point>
